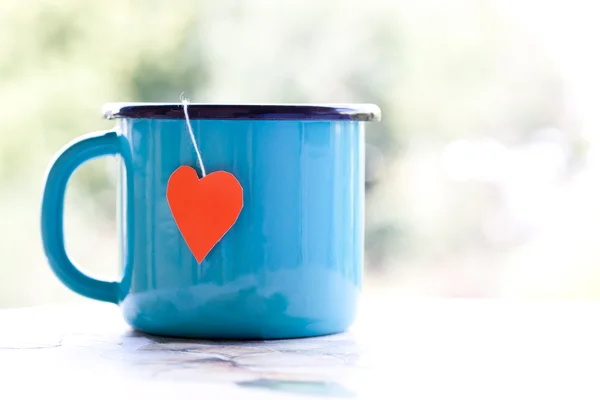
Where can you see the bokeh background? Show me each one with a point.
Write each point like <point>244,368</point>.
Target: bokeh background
<point>482,178</point>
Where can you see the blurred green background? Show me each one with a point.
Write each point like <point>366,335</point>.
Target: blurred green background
<point>480,178</point>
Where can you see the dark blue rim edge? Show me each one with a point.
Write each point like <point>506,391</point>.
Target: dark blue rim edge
<point>309,112</point>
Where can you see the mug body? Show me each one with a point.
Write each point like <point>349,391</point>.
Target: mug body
<point>291,265</point>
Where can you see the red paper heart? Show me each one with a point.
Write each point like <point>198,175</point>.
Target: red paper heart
<point>204,209</point>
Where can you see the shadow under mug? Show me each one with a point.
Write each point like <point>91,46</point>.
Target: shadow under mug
<point>292,264</point>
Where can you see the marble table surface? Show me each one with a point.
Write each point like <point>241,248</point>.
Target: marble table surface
<point>398,348</point>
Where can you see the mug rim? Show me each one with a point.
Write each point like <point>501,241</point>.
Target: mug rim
<point>249,111</point>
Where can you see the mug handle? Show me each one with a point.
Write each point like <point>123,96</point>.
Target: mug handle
<point>72,156</point>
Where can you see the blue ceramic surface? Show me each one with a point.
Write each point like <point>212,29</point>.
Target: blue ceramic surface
<point>292,264</point>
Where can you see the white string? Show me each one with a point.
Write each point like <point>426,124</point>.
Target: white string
<point>185,103</point>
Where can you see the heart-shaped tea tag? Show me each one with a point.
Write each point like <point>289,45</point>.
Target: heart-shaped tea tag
<point>204,209</point>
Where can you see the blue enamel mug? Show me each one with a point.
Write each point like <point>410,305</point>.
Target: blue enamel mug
<point>291,265</point>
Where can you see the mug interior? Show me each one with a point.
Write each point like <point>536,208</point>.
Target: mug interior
<point>311,112</point>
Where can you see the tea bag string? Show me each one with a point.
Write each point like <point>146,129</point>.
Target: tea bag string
<point>185,102</point>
